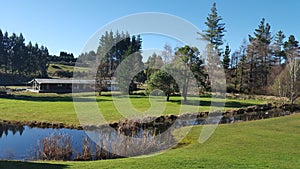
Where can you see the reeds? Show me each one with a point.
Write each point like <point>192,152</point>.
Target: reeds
<point>128,140</point>
<point>55,147</point>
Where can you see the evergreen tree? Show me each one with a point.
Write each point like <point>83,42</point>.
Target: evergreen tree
<point>226,58</point>
<point>7,47</point>
<point>20,55</point>
<point>291,44</point>
<point>215,30</point>
<point>260,56</point>
<point>43,61</point>
<point>242,66</point>
<point>16,58</point>
<point>2,59</point>
<point>115,50</point>
<point>278,47</point>
<point>13,57</point>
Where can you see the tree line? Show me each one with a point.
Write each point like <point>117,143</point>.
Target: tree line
<point>18,58</point>
<point>264,63</point>
<point>114,49</point>
<point>63,58</point>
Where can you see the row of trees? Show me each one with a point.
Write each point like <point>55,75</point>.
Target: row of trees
<point>114,49</point>
<point>183,71</point>
<point>17,58</point>
<point>264,64</point>
<point>63,58</point>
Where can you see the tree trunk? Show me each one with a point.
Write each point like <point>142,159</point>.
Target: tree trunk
<point>168,97</point>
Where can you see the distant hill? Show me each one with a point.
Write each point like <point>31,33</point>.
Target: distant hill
<point>64,71</point>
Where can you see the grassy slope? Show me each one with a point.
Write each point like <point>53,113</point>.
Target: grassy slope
<point>55,67</point>
<point>271,143</point>
<point>60,108</point>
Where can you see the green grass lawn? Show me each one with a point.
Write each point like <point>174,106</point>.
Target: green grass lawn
<point>270,143</point>
<point>60,108</point>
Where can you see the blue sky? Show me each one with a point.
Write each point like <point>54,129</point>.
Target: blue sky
<point>66,25</point>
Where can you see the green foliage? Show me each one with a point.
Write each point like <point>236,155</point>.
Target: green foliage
<point>86,59</point>
<point>16,58</point>
<point>153,63</point>
<point>215,30</point>
<point>260,58</point>
<point>291,44</point>
<point>129,69</point>
<point>226,58</point>
<point>119,56</point>
<point>278,45</point>
<point>262,33</point>
<point>161,80</point>
<point>188,67</point>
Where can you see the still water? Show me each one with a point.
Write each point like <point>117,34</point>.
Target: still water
<point>20,142</point>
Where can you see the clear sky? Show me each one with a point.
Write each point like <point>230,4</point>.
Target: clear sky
<point>66,25</point>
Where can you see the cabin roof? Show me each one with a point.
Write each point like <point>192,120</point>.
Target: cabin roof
<point>61,81</point>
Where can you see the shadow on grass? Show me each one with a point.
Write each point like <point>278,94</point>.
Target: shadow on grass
<point>56,98</point>
<point>229,104</point>
<point>29,165</point>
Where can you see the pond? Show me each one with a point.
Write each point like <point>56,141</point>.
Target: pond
<point>123,139</point>
<point>104,142</point>
<point>20,142</point>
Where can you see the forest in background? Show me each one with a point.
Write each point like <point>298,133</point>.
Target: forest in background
<point>265,63</point>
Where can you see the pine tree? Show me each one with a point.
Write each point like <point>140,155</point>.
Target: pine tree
<point>278,45</point>
<point>7,46</point>
<point>20,54</point>
<point>215,30</point>
<point>2,59</point>
<point>115,50</point>
<point>226,58</point>
<point>261,56</point>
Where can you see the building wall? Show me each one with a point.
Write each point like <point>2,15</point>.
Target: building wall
<point>65,88</point>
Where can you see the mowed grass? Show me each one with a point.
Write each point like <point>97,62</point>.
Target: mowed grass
<point>60,107</point>
<point>270,143</point>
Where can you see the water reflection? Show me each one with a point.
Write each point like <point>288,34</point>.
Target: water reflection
<point>25,143</point>
<point>20,142</point>
<point>5,128</point>
<point>124,139</point>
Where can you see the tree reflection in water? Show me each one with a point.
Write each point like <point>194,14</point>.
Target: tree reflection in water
<point>5,128</point>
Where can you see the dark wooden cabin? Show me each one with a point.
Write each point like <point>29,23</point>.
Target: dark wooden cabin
<point>61,85</point>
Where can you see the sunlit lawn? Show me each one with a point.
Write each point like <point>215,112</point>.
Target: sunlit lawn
<point>271,143</point>
<point>60,107</point>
